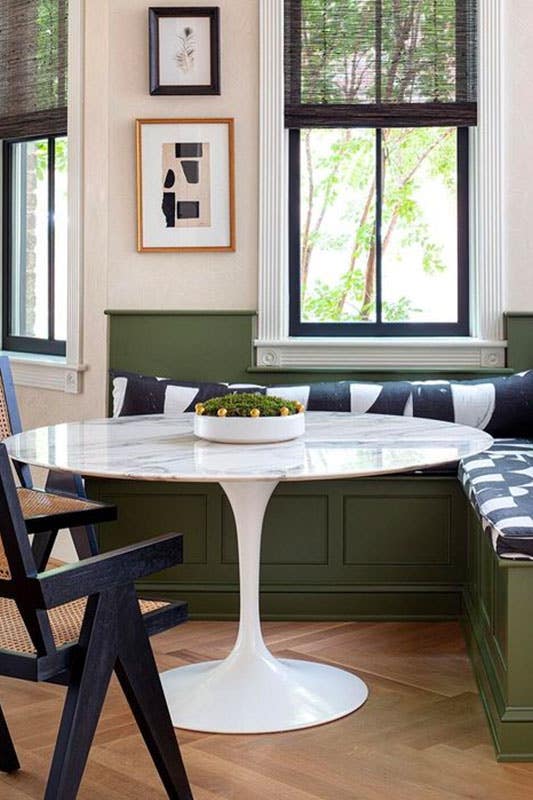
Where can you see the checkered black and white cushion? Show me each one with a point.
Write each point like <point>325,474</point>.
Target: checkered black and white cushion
<point>501,406</point>
<point>499,484</point>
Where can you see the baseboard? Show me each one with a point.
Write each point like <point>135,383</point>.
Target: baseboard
<point>354,603</point>
<point>513,740</point>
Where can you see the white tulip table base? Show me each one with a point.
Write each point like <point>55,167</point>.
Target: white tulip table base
<point>251,691</point>
<point>257,693</point>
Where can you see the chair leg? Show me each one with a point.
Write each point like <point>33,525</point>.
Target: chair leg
<point>137,672</point>
<point>42,546</point>
<point>84,538</point>
<point>85,541</point>
<point>85,697</point>
<point>8,756</point>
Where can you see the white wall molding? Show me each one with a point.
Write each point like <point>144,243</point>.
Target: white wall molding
<point>443,353</point>
<point>273,322</point>
<point>42,373</point>
<point>488,270</point>
<point>76,83</point>
<point>486,348</point>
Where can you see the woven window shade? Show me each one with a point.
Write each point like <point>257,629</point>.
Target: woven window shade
<point>380,63</point>
<point>33,74</point>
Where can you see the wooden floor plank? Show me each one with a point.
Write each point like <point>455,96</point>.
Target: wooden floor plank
<point>422,735</point>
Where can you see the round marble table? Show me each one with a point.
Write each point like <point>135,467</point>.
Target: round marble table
<point>251,691</point>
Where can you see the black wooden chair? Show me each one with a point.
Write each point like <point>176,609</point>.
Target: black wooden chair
<point>64,504</point>
<point>75,625</point>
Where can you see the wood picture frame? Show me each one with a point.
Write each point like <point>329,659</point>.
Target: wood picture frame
<point>184,45</point>
<point>185,185</point>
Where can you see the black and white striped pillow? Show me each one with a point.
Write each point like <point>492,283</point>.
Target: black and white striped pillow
<point>501,406</point>
<point>135,395</point>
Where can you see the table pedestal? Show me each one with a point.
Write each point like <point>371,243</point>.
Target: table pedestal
<point>251,691</point>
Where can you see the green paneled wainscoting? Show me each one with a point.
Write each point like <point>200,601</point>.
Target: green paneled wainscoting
<point>401,547</point>
<point>392,548</point>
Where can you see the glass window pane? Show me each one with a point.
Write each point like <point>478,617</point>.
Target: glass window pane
<point>419,225</point>
<point>29,231</point>
<point>61,237</point>
<point>338,220</point>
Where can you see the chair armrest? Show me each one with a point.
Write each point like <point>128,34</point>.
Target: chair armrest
<point>116,568</point>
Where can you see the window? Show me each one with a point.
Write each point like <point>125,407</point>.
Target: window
<point>33,125</point>
<point>35,256</point>
<point>378,97</point>
<point>379,232</point>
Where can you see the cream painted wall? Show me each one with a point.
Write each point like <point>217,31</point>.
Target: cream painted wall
<point>518,101</point>
<point>117,92</point>
<point>182,280</point>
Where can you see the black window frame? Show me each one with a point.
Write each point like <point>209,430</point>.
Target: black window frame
<point>11,342</point>
<point>299,328</point>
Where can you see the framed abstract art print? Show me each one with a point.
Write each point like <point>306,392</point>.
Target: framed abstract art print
<point>184,50</point>
<point>185,185</point>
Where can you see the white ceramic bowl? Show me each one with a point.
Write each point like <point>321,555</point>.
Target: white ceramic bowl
<point>248,430</point>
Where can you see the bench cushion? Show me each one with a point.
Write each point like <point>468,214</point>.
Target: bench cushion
<point>499,484</point>
<point>501,406</point>
<point>135,395</point>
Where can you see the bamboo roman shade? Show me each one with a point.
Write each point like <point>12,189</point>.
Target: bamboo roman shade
<point>33,67</point>
<point>380,63</point>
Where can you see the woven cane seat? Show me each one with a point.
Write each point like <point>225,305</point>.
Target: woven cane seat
<point>5,423</point>
<point>39,504</point>
<point>4,568</point>
<point>65,622</point>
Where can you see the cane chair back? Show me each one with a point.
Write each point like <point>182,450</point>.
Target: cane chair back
<point>17,564</point>
<point>10,423</point>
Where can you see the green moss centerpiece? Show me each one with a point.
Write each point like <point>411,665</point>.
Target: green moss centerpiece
<point>249,418</point>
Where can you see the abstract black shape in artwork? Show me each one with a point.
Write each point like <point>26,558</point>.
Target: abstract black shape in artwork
<point>170,179</point>
<point>187,174</point>
<point>169,208</point>
<point>188,209</point>
<point>191,170</point>
<point>189,150</point>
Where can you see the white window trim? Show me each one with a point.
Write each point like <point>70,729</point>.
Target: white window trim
<point>53,372</point>
<point>486,346</point>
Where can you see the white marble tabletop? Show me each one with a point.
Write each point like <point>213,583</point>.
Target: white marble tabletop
<point>163,448</point>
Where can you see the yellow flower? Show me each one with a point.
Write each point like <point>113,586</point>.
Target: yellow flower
<point>222,412</point>
<point>255,412</point>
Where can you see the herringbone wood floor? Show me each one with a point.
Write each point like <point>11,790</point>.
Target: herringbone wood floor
<point>421,736</point>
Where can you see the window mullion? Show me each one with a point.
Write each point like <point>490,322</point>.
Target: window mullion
<point>51,238</point>
<point>463,234</point>
<point>379,218</point>
<point>379,50</point>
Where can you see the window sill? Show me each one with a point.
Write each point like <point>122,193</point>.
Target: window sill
<point>45,372</point>
<point>461,353</point>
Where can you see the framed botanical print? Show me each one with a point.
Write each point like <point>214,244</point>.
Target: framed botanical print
<point>184,50</point>
<point>185,185</point>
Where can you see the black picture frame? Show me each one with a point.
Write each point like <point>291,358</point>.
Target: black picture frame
<point>155,14</point>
